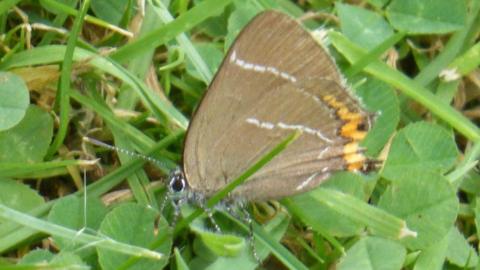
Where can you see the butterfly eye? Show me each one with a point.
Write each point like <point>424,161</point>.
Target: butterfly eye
<point>177,182</point>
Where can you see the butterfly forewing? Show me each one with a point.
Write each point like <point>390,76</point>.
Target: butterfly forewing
<point>275,79</point>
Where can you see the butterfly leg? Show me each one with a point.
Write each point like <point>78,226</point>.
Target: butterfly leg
<point>251,238</point>
<point>209,213</point>
<point>176,210</point>
<point>176,203</point>
<point>244,215</point>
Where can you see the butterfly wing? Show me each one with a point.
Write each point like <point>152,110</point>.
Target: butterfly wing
<point>275,79</point>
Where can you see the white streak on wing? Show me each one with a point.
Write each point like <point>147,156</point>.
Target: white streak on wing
<point>306,182</point>
<point>320,155</point>
<point>269,125</point>
<point>310,95</point>
<point>273,70</point>
<point>253,121</point>
<point>305,129</point>
<point>248,66</point>
<point>240,62</point>
<point>259,124</point>
<point>260,68</point>
<point>325,169</point>
<point>288,77</point>
<point>233,56</point>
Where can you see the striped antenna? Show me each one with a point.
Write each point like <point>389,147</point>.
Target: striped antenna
<point>123,151</point>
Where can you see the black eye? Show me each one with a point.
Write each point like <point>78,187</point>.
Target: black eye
<point>177,184</point>
<point>177,181</point>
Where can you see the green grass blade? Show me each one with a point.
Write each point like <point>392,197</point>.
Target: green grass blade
<point>451,50</point>
<point>165,33</point>
<point>63,93</point>
<point>34,170</point>
<point>187,46</point>
<point>76,236</point>
<point>5,5</point>
<point>409,87</point>
<point>280,252</point>
<point>54,54</point>
<point>373,54</point>
<point>13,234</point>
<point>381,222</point>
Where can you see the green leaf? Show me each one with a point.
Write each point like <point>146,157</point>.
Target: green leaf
<point>378,221</point>
<point>212,56</point>
<point>477,215</point>
<point>321,217</point>
<point>18,196</point>
<point>222,244</point>
<point>408,87</point>
<point>275,228</point>
<point>6,5</point>
<point>180,262</point>
<point>14,100</point>
<point>471,183</point>
<point>133,224</point>
<point>28,141</point>
<point>244,12</point>
<point>427,16</point>
<point>71,212</point>
<point>194,16</point>
<point>372,253</point>
<point>459,251</point>
<point>378,3</point>
<point>427,202</point>
<point>54,53</point>
<point>467,62</point>
<point>432,257</point>
<point>365,28</point>
<point>36,256</point>
<point>380,99</point>
<point>420,146</point>
<point>44,259</point>
<point>111,11</point>
<point>216,27</point>
<point>102,242</point>
<point>267,239</point>
<point>446,91</point>
<point>53,8</point>
<point>68,260</point>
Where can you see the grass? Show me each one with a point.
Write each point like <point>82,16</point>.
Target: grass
<point>61,81</point>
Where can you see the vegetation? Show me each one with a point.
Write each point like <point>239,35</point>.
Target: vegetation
<point>131,75</point>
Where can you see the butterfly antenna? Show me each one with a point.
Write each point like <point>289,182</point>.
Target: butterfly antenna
<point>85,198</point>
<point>124,151</point>
<point>165,200</point>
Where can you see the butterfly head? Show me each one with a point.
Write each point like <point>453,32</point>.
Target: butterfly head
<point>177,183</point>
